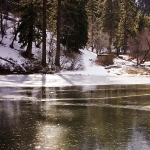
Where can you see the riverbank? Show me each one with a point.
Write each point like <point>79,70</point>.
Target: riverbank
<point>60,80</point>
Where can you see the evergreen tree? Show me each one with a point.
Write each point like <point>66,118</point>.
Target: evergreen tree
<point>30,24</point>
<point>3,10</point>
<point>52,6</point>
<point>52,28</point>
<point>44,35</point>
<point>5,7</point>
<point>116,5</point>
<point>93,13</point>
<point>144,5</point>
<point>128,23</point>
<point>74,25</point>
<point>109,19</point>
<point>1,20</point>
<point>57,58</point>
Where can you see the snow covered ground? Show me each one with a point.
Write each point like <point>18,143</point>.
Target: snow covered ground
<point>60,80</point>
<point>91,75</point>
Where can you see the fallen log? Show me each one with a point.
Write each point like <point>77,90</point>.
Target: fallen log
<point>7,60</point>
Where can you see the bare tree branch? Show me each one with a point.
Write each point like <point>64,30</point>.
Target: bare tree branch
<point>7,60</point>
<point>145,56</point>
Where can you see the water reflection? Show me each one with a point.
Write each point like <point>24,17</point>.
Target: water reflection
<point>77,118</point>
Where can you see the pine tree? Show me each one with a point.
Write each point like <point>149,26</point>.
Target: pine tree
<point>109,19</point>
<point>93,13</point>
<point>44,35</point>
<point>30,24</point>
<point>52,15</point>
<point>128,23</point>
<point>144,6</point>
<point>57,58</point>
<point>115,25</point>
<point>74,25</point>
<point>2,30</point>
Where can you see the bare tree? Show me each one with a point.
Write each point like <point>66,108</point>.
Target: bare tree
<point>52,50</point>
<point>101,41</point>
<point>139,46</point>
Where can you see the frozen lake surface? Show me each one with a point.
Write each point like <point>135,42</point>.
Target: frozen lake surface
<point>77,117</point>
<point>61,80</point>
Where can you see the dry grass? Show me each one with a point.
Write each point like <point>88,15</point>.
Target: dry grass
<point>136,70</point>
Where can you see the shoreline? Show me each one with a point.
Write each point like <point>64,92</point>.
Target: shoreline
<point>62,80</point>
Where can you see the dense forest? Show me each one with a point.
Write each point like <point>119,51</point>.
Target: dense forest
<point>102,26</point>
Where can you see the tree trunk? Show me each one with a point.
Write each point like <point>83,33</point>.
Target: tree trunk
<point>110,41</point>
<point>137,58</point>
<point>118,51</point>
<point>117,48</point>
<point>92,27</point>
<point>30,39</point>
<point>12,43</point>
<point>15,37</point>
<point>125,45</point>
<point>29,49</point>
<point>1,23</point>
<point>57,58</point>
<point>125,38</point>
<point>111,27</point>
<point>44,35</point>
<point>125,33</point>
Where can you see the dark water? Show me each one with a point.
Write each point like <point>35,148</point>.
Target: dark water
<point>75,118</point>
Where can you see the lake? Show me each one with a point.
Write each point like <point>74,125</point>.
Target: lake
<point>110,117</point>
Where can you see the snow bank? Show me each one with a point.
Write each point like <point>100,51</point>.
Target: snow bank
<point>92,74</point>
<point>90,67</point>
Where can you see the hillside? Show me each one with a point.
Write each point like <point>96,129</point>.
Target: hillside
<point>12,60</point>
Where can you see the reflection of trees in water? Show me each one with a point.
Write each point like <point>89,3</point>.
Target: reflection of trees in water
<point>112,127</point>
<point>17,125</point>
<point>101,127</point>
<point>142,125</point>
<point>70,120</point>
<point>80,126</point>
<point>107,91</point>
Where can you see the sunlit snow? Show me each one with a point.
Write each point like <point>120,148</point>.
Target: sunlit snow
<point>92,74</point>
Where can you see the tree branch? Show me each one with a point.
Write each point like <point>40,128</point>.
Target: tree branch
<point>145,56</point>
<point>7,61</point>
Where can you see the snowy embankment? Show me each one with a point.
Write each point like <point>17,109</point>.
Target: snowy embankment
<point>92,74</point>
<point>90,67</point>
<point>59,80</point>
<point>11,59</point>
